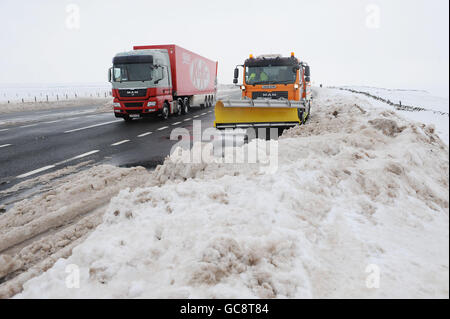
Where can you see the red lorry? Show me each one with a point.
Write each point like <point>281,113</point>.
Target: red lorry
<point>161,79</point>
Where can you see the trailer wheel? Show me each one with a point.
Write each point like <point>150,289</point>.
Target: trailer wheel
<point>210,103</point>
<point>165,111</point>
<point>185,106</point>
<point>179,107</point>
<point>205,103</point>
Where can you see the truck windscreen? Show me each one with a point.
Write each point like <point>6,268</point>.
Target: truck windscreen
<point>269,75</point>
<point>133,72</point>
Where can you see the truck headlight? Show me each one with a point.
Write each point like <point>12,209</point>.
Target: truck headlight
<point>296,86</point>
<point>243,88</point>
<point>115,104</point>
<point>151,103</point>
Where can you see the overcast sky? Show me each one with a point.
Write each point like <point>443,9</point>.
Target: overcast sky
<point>385,43</point>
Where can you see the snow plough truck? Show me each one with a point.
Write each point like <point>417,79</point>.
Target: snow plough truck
<point>276,93</point>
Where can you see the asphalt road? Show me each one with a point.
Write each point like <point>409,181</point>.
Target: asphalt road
<point>54,141</point>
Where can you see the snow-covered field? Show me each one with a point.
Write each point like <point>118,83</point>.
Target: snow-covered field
<point>436,108</point>
<point>33,97</point>
<point>408,97</point>
<point>14,93</point>
<point>358,207</point>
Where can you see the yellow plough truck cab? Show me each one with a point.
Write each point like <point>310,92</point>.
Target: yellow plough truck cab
<point>276,92</point>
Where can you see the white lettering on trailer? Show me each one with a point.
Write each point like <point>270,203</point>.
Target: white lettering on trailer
<point>200,74</point>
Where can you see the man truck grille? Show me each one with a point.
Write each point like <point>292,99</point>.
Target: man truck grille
<point>270,95</point>
<point>133,92</point>
<point>136,104</point>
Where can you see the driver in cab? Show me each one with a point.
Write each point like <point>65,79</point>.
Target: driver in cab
<point>258,76</point>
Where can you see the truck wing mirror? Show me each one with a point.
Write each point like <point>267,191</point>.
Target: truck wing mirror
<point>236,75</point>
<point>307,71</point>
<point>110,75</point>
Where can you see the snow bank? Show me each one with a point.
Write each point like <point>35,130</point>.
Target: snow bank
<point>359,192</point>
<point>38,230</point>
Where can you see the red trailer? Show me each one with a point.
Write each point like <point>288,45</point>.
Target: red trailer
<point>161,79</point>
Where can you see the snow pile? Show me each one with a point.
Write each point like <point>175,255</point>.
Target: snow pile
<point>37,231</point>
<point>357,189</point>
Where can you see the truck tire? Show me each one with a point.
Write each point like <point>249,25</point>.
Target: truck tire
<point>179,107</point>
<point>309,111</point>
<point>209,101</point>
<point>301,116</point>
<point>185,106</point>
<point>165,111</point>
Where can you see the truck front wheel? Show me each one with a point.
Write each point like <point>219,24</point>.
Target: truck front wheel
<point>309,111</point>
<point>165,111</point>
<point>127,118</point>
